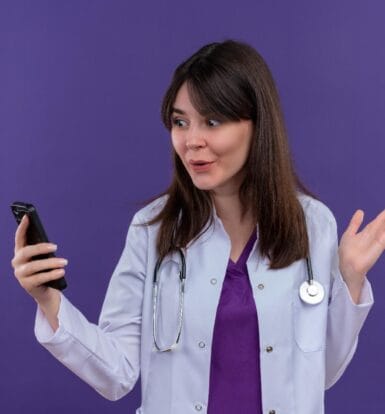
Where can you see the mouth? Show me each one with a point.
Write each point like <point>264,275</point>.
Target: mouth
<point>200,162</point>
<point>200,165</point>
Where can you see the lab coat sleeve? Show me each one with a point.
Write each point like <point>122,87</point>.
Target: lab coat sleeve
<point>345,318</point>
<point>107,355</point>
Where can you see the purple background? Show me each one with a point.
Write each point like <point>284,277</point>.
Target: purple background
<point>80,89</point>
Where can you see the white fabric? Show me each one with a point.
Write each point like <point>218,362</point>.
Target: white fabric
<point>312,345</point>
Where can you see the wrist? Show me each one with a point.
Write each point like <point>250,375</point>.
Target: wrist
<point>355,288</point>
<point>49,298</point>
<point>354,281</point>
<point>50,305</point>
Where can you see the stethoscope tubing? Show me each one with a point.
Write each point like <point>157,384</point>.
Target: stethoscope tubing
<point>182,279</point>
<point>311,292</point>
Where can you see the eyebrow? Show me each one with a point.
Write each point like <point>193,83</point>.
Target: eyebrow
<point>178,111</point>
<point>181,112</point>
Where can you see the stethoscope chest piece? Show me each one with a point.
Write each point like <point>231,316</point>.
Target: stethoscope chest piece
<point>311,293</point>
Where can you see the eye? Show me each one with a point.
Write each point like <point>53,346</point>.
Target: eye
<point>213,122</point>
<point>179,123</point>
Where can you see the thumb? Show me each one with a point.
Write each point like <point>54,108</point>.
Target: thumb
<point>355,222</point>
<point>21,231</point>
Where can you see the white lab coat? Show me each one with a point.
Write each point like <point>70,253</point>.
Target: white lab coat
<point>311,345</point>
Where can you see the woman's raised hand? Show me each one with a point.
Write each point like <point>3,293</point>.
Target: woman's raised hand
<point>32,274</point>
<point>359,251</point>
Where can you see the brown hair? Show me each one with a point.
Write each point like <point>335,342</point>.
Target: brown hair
<point>232,80</point>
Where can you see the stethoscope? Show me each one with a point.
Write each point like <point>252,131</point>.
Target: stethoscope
<point>155,290</point>
<point>311,292</point>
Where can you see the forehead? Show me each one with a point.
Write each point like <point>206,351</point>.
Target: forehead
<point>186,105</point>
<point>183,100</point>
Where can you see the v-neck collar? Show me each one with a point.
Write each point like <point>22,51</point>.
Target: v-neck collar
<point>242,259</point>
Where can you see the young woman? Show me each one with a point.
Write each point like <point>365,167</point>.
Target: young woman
<point>218,271</point>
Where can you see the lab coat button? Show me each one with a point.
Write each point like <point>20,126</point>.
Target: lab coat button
<point>213,281</point>
<point>261,286</point>
<point>272,412</point>
<point>201,344</point>
<point>269,349</point>
<point>198,407</point>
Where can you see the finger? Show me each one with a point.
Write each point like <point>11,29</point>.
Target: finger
<point>381,215</point>
<point>355,223</point>
<point>21,233</point>
<point>380,228</point>
<point>25,254</point>
<point>381,237</point>
<point>377,226</point>
<point>35,281</point>
<point>380,220</point>
<point>39,266</point>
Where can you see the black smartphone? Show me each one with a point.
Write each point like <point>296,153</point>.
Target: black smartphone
<point>36,234</point>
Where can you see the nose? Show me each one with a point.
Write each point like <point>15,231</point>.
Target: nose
<point>195,139</point>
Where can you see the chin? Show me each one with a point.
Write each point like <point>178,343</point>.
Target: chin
<point>203,186</point>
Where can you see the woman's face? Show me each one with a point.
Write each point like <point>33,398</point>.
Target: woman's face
<point>212,151</point>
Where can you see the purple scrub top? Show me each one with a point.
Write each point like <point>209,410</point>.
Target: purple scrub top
<point>235,379</point>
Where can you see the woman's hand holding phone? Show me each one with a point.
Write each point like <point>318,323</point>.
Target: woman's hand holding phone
<point>32,274</point>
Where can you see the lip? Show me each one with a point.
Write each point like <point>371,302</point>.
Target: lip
<point>200,165</point>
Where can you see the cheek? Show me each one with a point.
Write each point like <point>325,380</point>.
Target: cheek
<point>235,155</point>
<point>176,144</point>
<point>232,151</point>
<point>179,147</point>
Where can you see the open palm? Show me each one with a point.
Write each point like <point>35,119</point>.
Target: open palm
<point>359,250</point>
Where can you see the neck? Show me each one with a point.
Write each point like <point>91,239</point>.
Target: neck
<point>238,228</point>
<point>229,209</point>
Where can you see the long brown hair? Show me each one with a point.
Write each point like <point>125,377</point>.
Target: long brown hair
<point>232,80</point>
